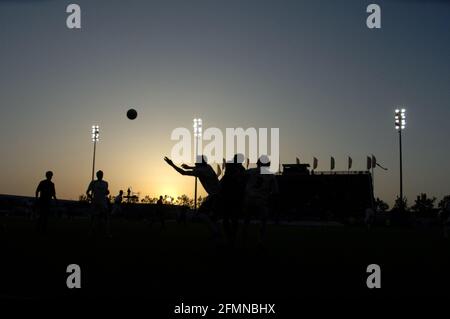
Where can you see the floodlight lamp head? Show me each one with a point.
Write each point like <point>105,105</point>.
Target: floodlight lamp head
<point>95,133</point>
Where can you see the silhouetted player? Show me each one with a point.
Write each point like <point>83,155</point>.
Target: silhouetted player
<point>117,207</point>
<point>208,178</point>
<point>98,193</point>
<point>232,191</point>
<point>44,194</point>
<point>259,190</point>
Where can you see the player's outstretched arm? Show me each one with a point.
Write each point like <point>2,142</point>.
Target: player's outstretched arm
<point>89,190</point>
<point>38,189</point>
<point>178,169</point>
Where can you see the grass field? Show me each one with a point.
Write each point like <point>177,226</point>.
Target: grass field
<point>180,261</point>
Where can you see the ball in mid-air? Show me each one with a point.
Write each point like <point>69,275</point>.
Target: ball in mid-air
<point>131,114</point>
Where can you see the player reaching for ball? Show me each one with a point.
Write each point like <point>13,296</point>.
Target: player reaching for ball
<point>208,178</point>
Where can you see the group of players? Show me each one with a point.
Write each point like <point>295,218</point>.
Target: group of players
<point>97,193</point>
<point>240,194</point>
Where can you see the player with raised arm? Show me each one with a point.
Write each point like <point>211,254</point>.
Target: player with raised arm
<point>208,178</point>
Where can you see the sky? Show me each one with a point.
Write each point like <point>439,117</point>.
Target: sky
<point>310,68</point>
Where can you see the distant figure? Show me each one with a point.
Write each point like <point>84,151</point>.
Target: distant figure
<point>369,217</point>
<point>44,194</point>
<point>117,206</point>
<point>232,191</point>
<point>159,212</point>
<point>259,190</point>
<point>208,178</point>
<point>128,195</point>
<point>98,193</point>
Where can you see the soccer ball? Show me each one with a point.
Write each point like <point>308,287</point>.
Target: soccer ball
<point>131,114</point>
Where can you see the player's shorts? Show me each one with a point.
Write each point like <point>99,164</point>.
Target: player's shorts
<point>256,208</point>
<point>99,210</point>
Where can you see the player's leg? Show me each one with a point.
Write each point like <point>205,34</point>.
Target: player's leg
<point>225,213</point>
<point>248,212</point>
<point>107,220</point>
<point>234,213</point>
<point>39,218</point>
<point>43,211</point>
<point>237,214</point>
<point>207,214</point>
<point>264,213</point>
<point>45,216</point>
<point>95,219</point>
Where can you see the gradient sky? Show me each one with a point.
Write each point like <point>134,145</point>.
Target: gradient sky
<point>311,68</point>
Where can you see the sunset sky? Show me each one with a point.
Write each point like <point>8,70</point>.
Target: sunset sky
<point>311,68</point>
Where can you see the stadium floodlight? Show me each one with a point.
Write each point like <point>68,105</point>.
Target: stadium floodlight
<point>197,128</point>
<point>95,135</point>
<point>400,125</point>
<point>400,119</point>
<point>198,135</point>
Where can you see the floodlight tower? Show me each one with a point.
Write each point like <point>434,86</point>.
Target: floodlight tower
<point>95,138</point>
<point>400,125</point>
<point>197,136</point>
